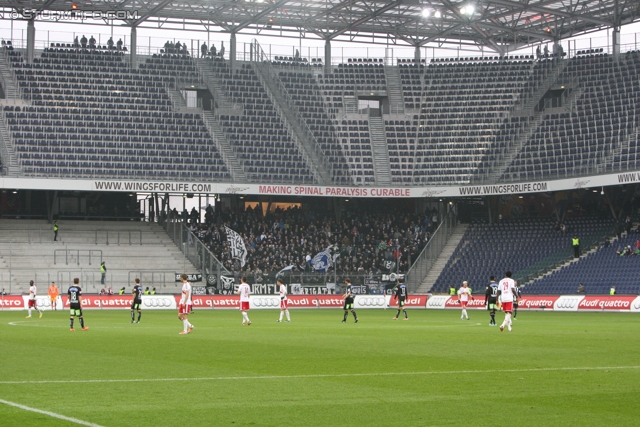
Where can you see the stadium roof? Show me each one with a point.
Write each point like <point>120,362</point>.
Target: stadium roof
<point>499,25</point>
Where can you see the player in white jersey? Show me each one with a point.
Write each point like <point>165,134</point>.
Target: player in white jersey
<point>184,308</point>
<point>283,301</point>
<point>244,292</point>
<point>33,303</point>
<point>506,294</point>
<point>464,293</point>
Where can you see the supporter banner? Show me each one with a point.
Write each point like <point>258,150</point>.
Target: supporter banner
<point>182,187</point>
<point>12,302</point>
<point>567,303</point>
<point>193,277</point>
<point>615,302</point>
<point>414,301</point>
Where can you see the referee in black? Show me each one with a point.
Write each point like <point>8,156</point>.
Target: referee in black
<point>136,300</point>
<point>491,299</point>
<point>401,296</point>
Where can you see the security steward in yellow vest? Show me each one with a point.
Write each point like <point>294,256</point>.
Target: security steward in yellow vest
<point>575,242</point>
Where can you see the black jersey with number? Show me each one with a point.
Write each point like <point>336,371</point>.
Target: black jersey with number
<point>401,292</point>
<point>350,296</point>
<point>137,293</point>
<point>492,293</point>
<point>74,294</point>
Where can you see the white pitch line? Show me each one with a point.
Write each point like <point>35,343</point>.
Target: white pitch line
<point>285,377</point>
<point>50,414</point>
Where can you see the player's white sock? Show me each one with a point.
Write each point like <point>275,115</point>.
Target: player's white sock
<point>245,317</point>
<point>190,325</point>
<point>281,313</point>
<point>287,312</point>
<point>464,313</point>
<point>185,322</point>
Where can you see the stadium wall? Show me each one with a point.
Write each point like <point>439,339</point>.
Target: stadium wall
<point>563,303</point>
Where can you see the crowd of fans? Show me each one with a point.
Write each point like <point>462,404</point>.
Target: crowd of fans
<point>367,243</point>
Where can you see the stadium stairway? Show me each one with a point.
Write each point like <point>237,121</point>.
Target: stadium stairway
<point>380,151</point>
<point>443,259</point>
<point>28,252</point>
<point>228,155</point>
<point>394,90</point>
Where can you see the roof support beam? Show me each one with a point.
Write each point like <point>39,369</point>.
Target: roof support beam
<point>259,16</point>
<point>555,12</point>
<point>150,13</point>
<point>367,18</point>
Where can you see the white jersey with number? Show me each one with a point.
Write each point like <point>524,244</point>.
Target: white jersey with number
<point>32,292</point>
<point>507,289</point>
<point>283,292</point>
<point>464,294</point>
<point>244,292</point>
<point>186,290</point>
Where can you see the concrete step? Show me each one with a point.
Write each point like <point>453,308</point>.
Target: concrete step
<point>443,259</point>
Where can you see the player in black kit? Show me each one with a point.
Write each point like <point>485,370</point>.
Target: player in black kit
<point>348,302</point>
<point>75,304</point>
<point>491,299</point>
<point>136,300</point>
<point>401,296</point>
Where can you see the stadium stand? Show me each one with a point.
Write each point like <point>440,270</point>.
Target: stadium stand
<point>91,115</point>
<point>601,130</point>
<point>34,256</point>
<point>522,246</point>
<point>598,272</point>
<point>365,241</point>
<point>259,137</point>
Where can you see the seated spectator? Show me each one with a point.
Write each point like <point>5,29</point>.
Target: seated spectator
<point>580,288</point>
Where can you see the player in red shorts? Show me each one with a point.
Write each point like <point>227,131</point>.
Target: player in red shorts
<point>184,308</point>
<point>283,301</point>
<point>464,293</point>
<point>506,293</point>
<point>244,292</point>
<point>33,303</point>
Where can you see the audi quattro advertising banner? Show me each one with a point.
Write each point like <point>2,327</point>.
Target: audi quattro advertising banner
<point>12,302</point>
<point>414,301</point>
<point>599,303</point>
<point>533,302</point>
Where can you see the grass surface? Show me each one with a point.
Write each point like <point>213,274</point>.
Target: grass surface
<point>554,369</point>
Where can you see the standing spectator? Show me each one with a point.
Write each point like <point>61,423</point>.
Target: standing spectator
<point>203,50</point>
<point>627,224</point>
<point>110,43</point>
<point>222,50</point>
<point>55,231</point>
<point>83,41</point>
<point>214,51</point>
<point>575,242</point>
<point>103,272</point>
<point>119,44</point>
<point>92,42</point>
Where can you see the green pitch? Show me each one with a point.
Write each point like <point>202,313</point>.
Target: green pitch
<point>554,369</point>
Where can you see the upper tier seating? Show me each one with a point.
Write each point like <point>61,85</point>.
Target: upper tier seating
<point>94,116</point>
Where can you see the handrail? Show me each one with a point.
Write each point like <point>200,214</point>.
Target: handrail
<point>118,235</point>
<point>261,60</point>
<point>194,250</point>
<point>77,252</point>
<point>161,276</point>
<point>421,266</point>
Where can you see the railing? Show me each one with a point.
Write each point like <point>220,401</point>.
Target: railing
<point>105,233</point>
<point>90,281</point>
<point>194,250</point>
<point>89,253</point>
<point>431,252</point>
<point>262,62</point>
<point>153,278</point>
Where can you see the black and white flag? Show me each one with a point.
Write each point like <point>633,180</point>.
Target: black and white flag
<point>238,249</point>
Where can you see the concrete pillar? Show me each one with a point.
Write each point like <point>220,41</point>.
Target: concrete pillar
<point>31,39</point>
<point>327,56</point>
<point>232,52</point>
<point>615,41</point>
<point>416,54</point>
<point>133,46</point>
